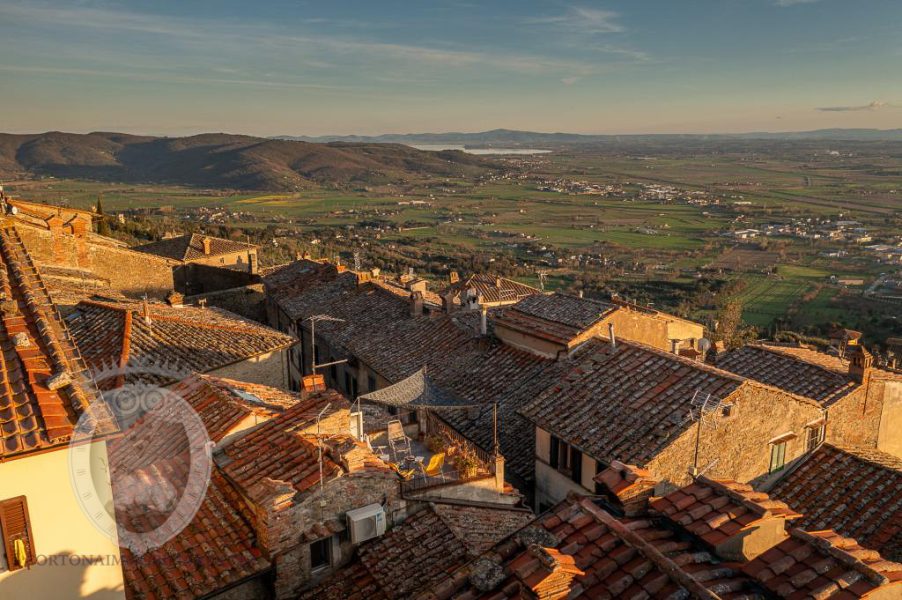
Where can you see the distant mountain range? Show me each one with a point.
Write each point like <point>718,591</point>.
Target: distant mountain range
<point>224,161</point>
<point>520,139</point>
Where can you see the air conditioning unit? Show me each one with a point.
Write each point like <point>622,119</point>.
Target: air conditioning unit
<point>366,523</point>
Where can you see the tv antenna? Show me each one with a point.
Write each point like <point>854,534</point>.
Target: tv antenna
<point>543,277</point>
<point>703,409</point>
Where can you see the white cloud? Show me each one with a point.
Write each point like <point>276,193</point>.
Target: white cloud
<point>585,20</point>
<point>569,80</point>
<point>872,106</point>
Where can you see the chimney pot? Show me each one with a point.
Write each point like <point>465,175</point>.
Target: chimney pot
<point>207,242</point>
<point>611,335</point>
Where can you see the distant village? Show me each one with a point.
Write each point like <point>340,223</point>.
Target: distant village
<point>374,435</point>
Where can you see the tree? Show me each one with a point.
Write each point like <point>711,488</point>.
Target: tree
<point>103,228</point>
<point>729,320</point>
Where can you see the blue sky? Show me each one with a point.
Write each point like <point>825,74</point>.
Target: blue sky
<point>274,67</point>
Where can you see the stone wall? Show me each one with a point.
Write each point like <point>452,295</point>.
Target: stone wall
<point>129,272</point>
<point>268,369</point>
<point>247,301</point>
<point>197,278</point>
<point>739,443</point>
<point>282,524</point>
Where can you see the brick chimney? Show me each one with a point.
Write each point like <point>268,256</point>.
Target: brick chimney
<point>416,304</point>
<point>453,277</point>
<point>628,487</point>
<point>207,242</point>
<point>252,265</point>
<point>554,577</point>
<point>448,303</point>
<point>860,363</point>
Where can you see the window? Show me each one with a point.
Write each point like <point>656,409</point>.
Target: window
<point>777,457</point>
<point>321,554</point>
<point>370,383</point>
<point>566,459</point>
<point>15,527</point>
<point>815,437</point>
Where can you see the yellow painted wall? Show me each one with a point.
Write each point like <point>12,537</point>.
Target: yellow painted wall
<point>62,534</point>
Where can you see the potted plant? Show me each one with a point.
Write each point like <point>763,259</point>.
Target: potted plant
<point>467,464</point>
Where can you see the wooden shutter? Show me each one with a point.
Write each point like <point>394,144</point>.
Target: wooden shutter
<point>16,525</point>
<point>553,453</point>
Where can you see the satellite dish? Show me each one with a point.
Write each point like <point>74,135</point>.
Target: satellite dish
<point>704,344</point>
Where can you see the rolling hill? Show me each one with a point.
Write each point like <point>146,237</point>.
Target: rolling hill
<point>225,161</point>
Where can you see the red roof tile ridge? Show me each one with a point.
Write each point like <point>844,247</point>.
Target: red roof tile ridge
<point>14,253</point>
<point>634,540</point>
<point>873,456</point>
<point>836,546</point>
<point>793,356</point>
<point>744,494</point>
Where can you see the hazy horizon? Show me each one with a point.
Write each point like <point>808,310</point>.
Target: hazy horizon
<point>357,68</point>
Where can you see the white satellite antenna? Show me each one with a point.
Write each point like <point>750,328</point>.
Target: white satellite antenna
<point>704,344</point>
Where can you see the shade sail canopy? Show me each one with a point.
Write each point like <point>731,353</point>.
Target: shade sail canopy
<point>417,391</point>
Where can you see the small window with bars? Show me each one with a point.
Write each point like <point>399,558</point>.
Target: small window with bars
<point>15,527</point>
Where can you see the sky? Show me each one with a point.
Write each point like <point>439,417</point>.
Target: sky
<point>279,67</point>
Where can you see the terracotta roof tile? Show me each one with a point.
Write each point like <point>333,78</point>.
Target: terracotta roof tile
<point>831,566</point>
<point>181,339</point>
<point>793,372</point>
<point>648,394</point>
<point>855,491</point>
<point>190,247</point>
<point>716,510</point>
<point>611,558</point>
<point>492,289</point>
<point>36,350</point>
<point>276,453</point>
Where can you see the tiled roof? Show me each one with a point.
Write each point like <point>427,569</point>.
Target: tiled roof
<point>481,527</point>
<point>823,564</point>
<point>44,387</point>
<point>572,311</point>
<point>417,391</point>
<point>217,549</point>
<point>181,339</point>
<point>191,247</point>
<point>647,396</point>
<point>223,403</point>
<point>793,372</point>
<point>492,289</point>
<point>275,452</point>
<point>716,511</point>
<point>625,558</point>
<point>419,552</point>
<point>855,491</point>
<point>288,280</point>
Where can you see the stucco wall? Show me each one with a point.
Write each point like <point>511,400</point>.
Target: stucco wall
<point>62,533</point>
<point>268,369</point>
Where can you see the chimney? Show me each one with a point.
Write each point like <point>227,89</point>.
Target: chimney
<point>580,293</point>
<point>416,304</point>
<point>498,282</point>
<point>860,363</point>
<point>448,303</point>
<point>628,487</point>
<point>611,336</point>
<point>145,312</point>
<point>554,577</point>
<point>483,321</point>
<point>252,262</point>
<point>453,277</point>
<point>207,242</point>
<point>174,298</point>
